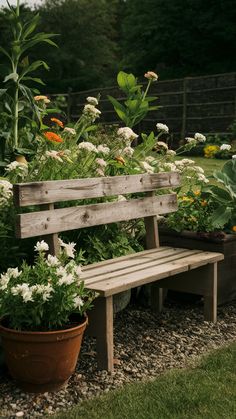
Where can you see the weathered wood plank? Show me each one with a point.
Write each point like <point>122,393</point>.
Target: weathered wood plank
<point>38,193</point>
<point>135,279</point>
<point>135,265</point>
<point>65,219</point>
<point>152,237</point>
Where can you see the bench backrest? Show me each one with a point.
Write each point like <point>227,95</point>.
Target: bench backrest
<point>49,220</point>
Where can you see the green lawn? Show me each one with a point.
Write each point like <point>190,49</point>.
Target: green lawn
<point>206,391</point>
<point>209,165</point>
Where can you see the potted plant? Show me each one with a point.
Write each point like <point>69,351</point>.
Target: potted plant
<point>43,318</point>
<point>206,220</point>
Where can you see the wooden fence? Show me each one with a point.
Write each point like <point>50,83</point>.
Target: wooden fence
<point>204,104</point>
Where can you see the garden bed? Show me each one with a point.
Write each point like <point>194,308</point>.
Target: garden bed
<point>212,242</point>
<point>146,345</point>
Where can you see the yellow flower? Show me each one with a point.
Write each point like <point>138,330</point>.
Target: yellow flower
<point>187,199</point>
<point>204,203</point>
<point>58,122</point>
<point>120,159</point>
<point>234,229</point>
<point>42,97</point>
<point>196,193</point>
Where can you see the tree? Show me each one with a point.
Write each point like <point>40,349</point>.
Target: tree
<point>180,37</point>
<point>87,48</point>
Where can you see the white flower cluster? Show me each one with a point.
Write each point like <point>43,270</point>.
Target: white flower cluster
<point>225,147</point>
<point>70,130</point>
<point>5,192</point>
<point>87,146</point>
<point>161,145</point>
<point>128,151</point>
<point>127,134</point>
<point>234,156</point>
<point>91,111</point>
<point>188,169</point>
<point>162,127</point>
<point>69,248</point>
<point>200,137</point>
<point>21,168</point>
<point>5,278</point>
<point>102,148</point>
<point>146,166</point>
<point>92,100</point>
<point>53,154</point>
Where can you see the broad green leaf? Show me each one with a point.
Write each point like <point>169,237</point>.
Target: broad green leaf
<point>221,216</point>
<point>116,104</point>
<point>35,79</point>
<point>33,67</point>
<point>12,76</point>
<point>29,27</point>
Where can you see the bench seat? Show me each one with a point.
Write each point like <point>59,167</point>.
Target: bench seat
<point>116,275</point>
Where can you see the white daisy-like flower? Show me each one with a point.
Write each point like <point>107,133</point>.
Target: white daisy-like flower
<point>162,127</point>
<point>200,137</point>
<point>225,147</point>
<point>41,246</point>
<point>86,145</point>
<point>92,100</point>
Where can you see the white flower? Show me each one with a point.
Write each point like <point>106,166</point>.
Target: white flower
<point>198,169</point>
<point>170,166</point>
<point>5,192</point>
<point>101,162</point>
<point>22,168</point>
<point>234,156</point>
<point>162,127</point>
<point>69,248</point>
<point>146,167</point>
<point>54,155</point>
<point>121,198</point>
<point>161,144</point>
<point>127,134</point>
<point>171,153</point>
<point>149,159</point>
<point>191,140</point>
<point>102,148</point>
<point>92,100</point>
<point>150,75</point>
<point>91,111</point>
<point>70,130</point>
<point>4,279</point>
<point>61,271</point>
<point>24,290</point>
<point>200,137</point>
<point>184,162</point>
<point>78,302</point>
<point>52,261</point>
<point>77,270</point>
<point>41,246</point>
<point>225,147</point>
<point>66,279</point>
<point>100,172</point>
<point>86,145</point>
<point>128,151</point>
<point>14,272</point>
<point>202,178</point>
<point>44,290</point>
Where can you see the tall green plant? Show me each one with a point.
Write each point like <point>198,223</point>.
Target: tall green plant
<point>137,104</point>
<point>17,94</point>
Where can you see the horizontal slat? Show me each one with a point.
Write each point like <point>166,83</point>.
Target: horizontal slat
<point>38,193</point>
<point>143,276</point>
<point>140,265</point>
<point>65,219</point>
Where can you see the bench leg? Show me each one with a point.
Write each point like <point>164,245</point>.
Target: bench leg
<point>210,295</point>
<point>101,326</point>
<point>158,296</point>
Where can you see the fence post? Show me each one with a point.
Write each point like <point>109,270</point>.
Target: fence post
<point>184,115</point>
<point>69,102</point>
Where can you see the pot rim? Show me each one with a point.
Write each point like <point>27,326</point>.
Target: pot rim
<point>70,330</point>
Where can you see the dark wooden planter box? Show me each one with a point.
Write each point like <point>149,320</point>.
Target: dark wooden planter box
<point>212,242</point>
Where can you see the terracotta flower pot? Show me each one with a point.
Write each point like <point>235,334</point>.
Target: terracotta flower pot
<point>42,361</point>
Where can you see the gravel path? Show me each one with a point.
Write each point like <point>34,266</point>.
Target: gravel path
<point>145,346</point>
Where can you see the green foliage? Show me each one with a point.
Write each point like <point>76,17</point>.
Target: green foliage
<point>43,296</point>
<point>194,213</point>
<point>179,38</point>
<point>135,107</point>
<point>224,198</point>
<point>17,95</point>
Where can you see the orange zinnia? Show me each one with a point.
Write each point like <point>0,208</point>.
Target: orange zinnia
<point>58,122</point>
<point>234,229</point>
<point>51,136</point>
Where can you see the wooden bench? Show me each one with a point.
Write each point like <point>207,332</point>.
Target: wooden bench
<point>157,265</point>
